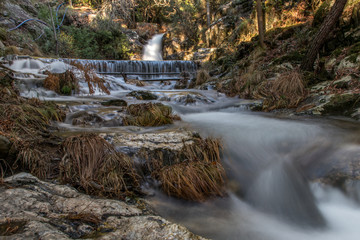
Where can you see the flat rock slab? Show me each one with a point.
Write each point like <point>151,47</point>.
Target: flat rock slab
<point>33,209</point>
<point>170,140</point>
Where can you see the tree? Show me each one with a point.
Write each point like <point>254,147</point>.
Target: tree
<point>321,36</point>
<point>261,23</point>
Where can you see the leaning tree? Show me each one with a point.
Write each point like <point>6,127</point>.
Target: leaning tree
<point>322,34</point>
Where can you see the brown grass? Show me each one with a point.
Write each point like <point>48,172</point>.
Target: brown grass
<point>91,78</point>
<point>52,82</point>
<point>149,114</point>
<point>26,122</point>
<point>94,165</point>
<point>202,76</point>
<point>287,91</point>
<point>194,173</point>
<point>62,83</point>
<point>34,160</point>
<point>194,181</point>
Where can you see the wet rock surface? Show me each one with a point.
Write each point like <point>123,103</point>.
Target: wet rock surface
<point>33,209</point>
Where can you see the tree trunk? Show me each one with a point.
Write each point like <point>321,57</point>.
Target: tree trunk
<point>321,36</point>
<point>70,3</point>
<point>208,13</point>
<point>260,23</point>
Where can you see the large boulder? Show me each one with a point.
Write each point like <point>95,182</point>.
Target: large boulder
<point>33,209</point>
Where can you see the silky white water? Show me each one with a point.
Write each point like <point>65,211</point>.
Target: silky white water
<point>153,50</point>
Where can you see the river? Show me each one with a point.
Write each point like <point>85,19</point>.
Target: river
<point>272,162</point>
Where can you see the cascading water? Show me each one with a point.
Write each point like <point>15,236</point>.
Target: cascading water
<point>153,50</point>
<point>269,160</point>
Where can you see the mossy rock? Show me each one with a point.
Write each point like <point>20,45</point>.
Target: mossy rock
<point>143,95</point>
<point>149,114</point>
<point>296,56</point>
<point>115,102</point>
<point>342,105</point>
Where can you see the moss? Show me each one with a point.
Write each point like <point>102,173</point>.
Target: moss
<point>342,105</point>
<point>149,114</point>
<point>143,95</point>
<point>353,58</point>
<point>321,13</point>
<point>355,49</point>
<point>66,90</point>
<point>3,34</point>
<point>295,56</point>
<point>115,102</point>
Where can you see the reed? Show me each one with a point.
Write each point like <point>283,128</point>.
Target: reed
<point>93,165</point>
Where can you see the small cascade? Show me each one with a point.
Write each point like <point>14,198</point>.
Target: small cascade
<point>140,68</point>
<point>153,50</point>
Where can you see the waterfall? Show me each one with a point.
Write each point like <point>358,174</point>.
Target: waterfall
<point>153,50</point>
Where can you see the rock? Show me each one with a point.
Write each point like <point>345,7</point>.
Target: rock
<point>5,145</point>
<point>2,46</point>
<point>86,119</point>
<point>115,102</point>
<point>33,209</point>
<point>143,95</point>
<point>170,140</point>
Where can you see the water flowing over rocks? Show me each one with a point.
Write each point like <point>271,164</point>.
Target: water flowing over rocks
<point>33,209</point>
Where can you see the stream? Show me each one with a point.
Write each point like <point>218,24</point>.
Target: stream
<point>272,162</point>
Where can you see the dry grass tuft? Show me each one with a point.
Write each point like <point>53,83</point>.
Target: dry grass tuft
<point>194,181</point>
<point>94,165</point>
<point>194,173</point>
<point>34,160</point>
<point>62,83</point>
<point>149,114</point>
<point>202,76</point>
<point>287,91</point>
<point>91,77</point>
<point>26,123</point>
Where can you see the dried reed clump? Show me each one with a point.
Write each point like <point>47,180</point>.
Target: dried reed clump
<point>248,82</point>
<point>287,91</point>
<point>62,83</point>
<point>148,114</point>
<point>290,87</point>
<point>52,82</point>
<point>194,173</point>
<point>94,165</point>
<point>91,77</point>
<point>202,76</point>
<point>194,181</point>
<point>36,161</point>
